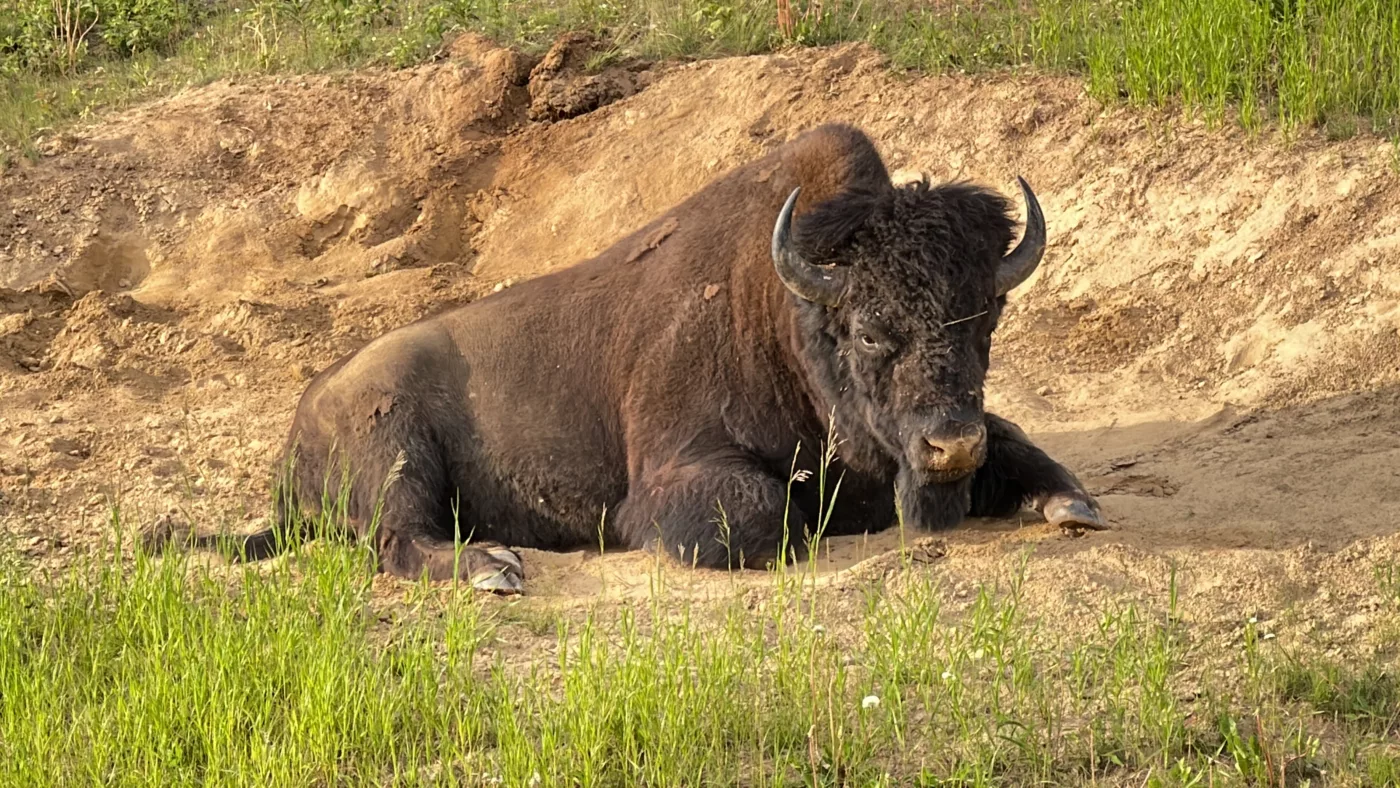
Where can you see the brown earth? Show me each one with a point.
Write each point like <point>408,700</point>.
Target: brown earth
<point>1211,342</point>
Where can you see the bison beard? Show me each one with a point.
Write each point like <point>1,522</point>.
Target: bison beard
<point>671,380</point>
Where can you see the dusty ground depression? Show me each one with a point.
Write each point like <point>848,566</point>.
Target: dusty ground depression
<point>1211,342</point>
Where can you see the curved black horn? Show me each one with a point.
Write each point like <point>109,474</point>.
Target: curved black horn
<point>1018,266</point>
<point>815,283</point>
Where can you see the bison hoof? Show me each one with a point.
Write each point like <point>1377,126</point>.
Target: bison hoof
<point>1074,513</point>
<point>498,570</point>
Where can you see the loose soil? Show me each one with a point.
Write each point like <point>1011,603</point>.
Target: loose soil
<point>1211,343</point>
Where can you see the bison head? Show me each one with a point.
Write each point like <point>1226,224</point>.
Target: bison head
<point>898,292</point>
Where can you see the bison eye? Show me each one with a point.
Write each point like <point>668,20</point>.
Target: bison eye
<point>870,340</point>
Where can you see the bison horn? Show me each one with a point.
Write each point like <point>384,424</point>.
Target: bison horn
<point>1018,266</point>
<point>815,283</point>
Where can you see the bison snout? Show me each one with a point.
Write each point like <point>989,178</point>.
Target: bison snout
<point>953,450</point>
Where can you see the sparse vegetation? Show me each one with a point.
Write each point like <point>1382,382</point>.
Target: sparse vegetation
<point>1334,63</point>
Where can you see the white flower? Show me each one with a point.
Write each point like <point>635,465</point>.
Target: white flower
<point>947,676</point>
<point>818,628</point>
<point>870,702</point>
<point>1254,619</point>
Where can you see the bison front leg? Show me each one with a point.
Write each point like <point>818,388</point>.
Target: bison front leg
<point>720,512</point>
<point>407,543</point>
<point>1017,473</point>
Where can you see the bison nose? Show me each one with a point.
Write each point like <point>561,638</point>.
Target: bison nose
<point>955,447</point>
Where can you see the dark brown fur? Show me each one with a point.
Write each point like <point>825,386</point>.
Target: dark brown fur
<point>674,375</point>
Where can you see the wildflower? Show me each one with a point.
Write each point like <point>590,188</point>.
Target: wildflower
<point>870,702</point>
<point>1254,619</point>
<point>818,628</point>
<point>948,676</point>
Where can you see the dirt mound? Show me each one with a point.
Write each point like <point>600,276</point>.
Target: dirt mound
<point>560,86</point>
<point>1211,343</point>
<point>233,188</point>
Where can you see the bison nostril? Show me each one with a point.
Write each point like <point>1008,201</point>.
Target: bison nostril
<point>950,452</point>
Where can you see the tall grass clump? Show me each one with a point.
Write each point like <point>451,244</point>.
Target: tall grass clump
<point>131,671</point>
<point>1306,61</point>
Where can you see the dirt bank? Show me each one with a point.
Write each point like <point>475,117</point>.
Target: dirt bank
<point>1211,342</point>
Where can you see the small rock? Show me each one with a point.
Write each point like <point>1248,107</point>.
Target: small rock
<point>1044,391</point>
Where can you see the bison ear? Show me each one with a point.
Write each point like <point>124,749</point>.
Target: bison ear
<point>818,284</point>
<point>1018,266</point>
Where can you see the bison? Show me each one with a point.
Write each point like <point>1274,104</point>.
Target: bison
<point>662,394</point>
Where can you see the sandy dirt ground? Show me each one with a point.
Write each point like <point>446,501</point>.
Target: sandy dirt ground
<point>1211,342</point>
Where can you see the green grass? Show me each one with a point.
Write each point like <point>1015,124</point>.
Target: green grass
<point>1292,63</point>
<point>128,670</point>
